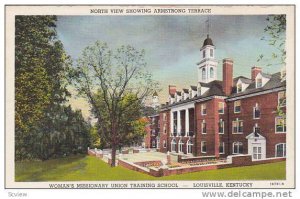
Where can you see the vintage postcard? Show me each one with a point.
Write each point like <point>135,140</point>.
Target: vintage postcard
<point>153,96</point>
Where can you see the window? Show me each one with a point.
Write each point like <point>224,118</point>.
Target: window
<point>280,150</point>
<point>175,123</point>
<point>203,74</point>
<point>239,88</point>
<point>203,53</point>
<point>281,98</point>
<point>153,144</point>
<point>165,129</point>
<point>280,125</point>
<point>203,146</point>
<point>221,108</point>
<point>221,148</point>
<point>203,109</point>
<point>191,94</point>
<point>203,127</point>
<point>198,91</point>
<point>258,83</point>
<point>180,146</point>
<point>237,106</point>
<point>237,126</point>
<point>189,147</point>
<point>256,153</point>
<point>211,73</point>
<point>157,142</point>
<point>256,112</point>
<point>173,145</point>
<point>211,53</point>
<point>221,126</point>
<point>237,147</point>
<point>165,144</point>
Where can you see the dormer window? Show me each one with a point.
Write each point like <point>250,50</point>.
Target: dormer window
<point>191,94</point>
<point>199,91</point>
<point>258,82</point>
<point>239,88</point>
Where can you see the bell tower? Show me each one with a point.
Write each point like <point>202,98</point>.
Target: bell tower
<point>207,67</point>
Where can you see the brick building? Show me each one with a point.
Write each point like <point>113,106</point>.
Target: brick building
<point>151,139</point>
<point>219,118</point>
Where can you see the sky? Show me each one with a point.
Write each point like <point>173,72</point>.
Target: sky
<point>172,43</point>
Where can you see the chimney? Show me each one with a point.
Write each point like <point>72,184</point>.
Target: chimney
<point>172,90</point>
<point>227,75</point>
<point>254,71</point>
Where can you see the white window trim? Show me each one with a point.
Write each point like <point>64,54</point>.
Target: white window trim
<point>203,109</point>
<point>223,123</point>
<point>276,128</point>
<point>257,81</point>
<point>256,106</point>
<point>173,142</point>
<point>222,108</point>
<point>278,99</point>
<point>202,147</point>
<point>153,144</point>
<point>257,153</point>
<point>237,89</point>
<point>187,147</point>
<point>203,122</point>
<point>180,146</point>
<point>238,147</point>
<point>235,106</point>
<point>237,120</point>
<point>283,150</point>
<point>223,143</point>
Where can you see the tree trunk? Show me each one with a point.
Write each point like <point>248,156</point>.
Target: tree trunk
<point>113,156</point>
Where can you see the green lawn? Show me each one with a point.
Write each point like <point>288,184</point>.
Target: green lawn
<point>79,168</point>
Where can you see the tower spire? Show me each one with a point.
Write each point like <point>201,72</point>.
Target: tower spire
<point>207,25</point>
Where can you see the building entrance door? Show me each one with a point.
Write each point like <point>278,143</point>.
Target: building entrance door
<point>257,153</point>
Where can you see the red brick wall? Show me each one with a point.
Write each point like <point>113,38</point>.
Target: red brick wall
<point>147,138</point>
<point>268,104</point>
<point>212,136</point>
<point>163,135</point>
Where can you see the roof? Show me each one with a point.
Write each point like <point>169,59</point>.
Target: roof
<point>185,90</point>
<point>194,88</point>
<point>266,75</point>
<point>243,79</point>
<point>215,89</point>
<point>154,94</point>
<point>207,41</point>
<point>274,82</point>
<point>178,92</point>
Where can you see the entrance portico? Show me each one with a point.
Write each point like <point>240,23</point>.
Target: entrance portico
<point>256,146</point>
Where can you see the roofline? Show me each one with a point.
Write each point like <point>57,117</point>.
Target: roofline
<point>271,90</point>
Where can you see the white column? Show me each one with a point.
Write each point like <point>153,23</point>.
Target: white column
<point>178,123</point>
<point>187,122</point>
<point>171,124</point>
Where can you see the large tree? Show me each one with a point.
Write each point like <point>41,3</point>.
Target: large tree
<point>113,82</point>
<point>275,35</point>
<point>41,65</point>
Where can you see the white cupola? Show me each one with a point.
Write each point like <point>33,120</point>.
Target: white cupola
<point>207,67</point>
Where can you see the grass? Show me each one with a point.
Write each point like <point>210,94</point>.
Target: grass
<point>88,168</point>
